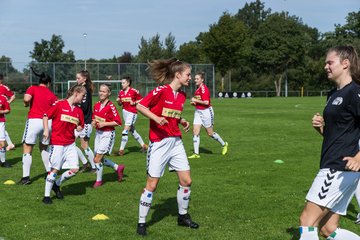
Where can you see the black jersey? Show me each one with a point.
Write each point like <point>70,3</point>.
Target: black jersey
<point>86,106</point>
<point>342,127</point>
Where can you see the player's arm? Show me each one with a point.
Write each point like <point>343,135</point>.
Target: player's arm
<point>11,99</point>
<point>147,113</point>
<point>201,102</point>
<point>46,127</point>
<point>185,124</point>
<point>27,99</point>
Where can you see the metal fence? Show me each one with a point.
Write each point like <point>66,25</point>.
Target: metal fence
<point>19,80</point>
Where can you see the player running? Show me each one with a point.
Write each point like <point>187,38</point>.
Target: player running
<point>66,117</point>
<point>105,119</point>
<point>40,98</point>
<point>4,109</point>
<point>83,79</point>
<point>163,106</point>
<point>204,115</point>
<point>128,97</point>
<point>335,184</point>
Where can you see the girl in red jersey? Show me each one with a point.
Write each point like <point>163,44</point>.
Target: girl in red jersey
<point>83,78</point>
<point>204,115</point>
<point>40,99</point>
<point>66,117</point>
<point>163,106</point>
<point>10,96</point>
<point>4,109</point>
<point>128,97</point>
<point>105,119</point>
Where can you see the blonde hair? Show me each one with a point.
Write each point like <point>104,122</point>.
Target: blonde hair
<point>75,88</point>
<point>163,71</point>
<point>349,52</point>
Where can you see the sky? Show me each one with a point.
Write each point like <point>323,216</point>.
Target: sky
<point>115,26</point>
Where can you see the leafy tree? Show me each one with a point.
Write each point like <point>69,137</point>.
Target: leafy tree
<point>150,49</point>
<point>253,14</point>
<point>225,43</point>
<point>126,57</point>
<point>51,51</point>
<point>170,46</point>
<point>191,52</point>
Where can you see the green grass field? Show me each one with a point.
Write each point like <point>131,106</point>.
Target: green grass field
<point>243,195</point>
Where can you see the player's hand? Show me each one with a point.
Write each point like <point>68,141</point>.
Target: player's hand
<point>353,164</point>
<point>185,124</point>
<point>100,124</point>
<point>161,121</point>
<point>45,134</point>
<point>79,128</point>
<point>317,121</point>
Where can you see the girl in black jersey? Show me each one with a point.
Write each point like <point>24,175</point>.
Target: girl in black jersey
<point>336,182</point>
<point>83,78</point>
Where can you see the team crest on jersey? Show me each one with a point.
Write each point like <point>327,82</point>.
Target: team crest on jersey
<point>337,101</point>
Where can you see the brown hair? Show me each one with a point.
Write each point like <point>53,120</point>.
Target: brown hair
<point>163,71</point>
<point>201,74</point>
<point>75,88</point>
<point>88,83</point>
<point>128,79</point>
<point>349,52</point>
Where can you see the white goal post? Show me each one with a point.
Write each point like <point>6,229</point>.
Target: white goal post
<point>115,85</point>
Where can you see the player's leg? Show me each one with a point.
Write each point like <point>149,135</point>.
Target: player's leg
<point>84,140</point>
<point>357,195</point>
<point>3,162</point>
<point>10,144</point>
<point>124,140</point>
<point>196,134</point>
<point>139,139</point>
<point>56,154</point>
<point>329,229</point>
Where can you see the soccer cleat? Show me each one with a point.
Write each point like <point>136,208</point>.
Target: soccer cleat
<point>25,181</point>
<point>357,221</point>
<point>120,172</point>
<point>10,147</point>
<point>6,165</point>
<point>141,229</point>
<point>85,168</point>
<point>224,148</point>
<point>185,220</point>
<point>144,148</point>
<point>194,156</point>
<point>93,170</point>
<point>97,184</point>
<point>47,200</point>
<point>57,191</point>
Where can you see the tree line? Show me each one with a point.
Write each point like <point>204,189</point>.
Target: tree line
<point>255,47</point>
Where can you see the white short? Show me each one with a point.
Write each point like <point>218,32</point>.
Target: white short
<point>2,131</point>
<point>104,141</point>
<point>64,157</point>
<point>204,117</point>
<point>168,151</point>
<point>129,118</point>
<point>333,189</point>
<point>34,129</point>
<point>85,133</point>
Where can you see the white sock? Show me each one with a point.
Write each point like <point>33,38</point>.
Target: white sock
<point>65,176</point>
<point>196,140</point>
<point>45,156</point>
<point>124,141</point>
<point>308,233</point>
<point>90,154</point>
<point>3,154</point>
<point>27,160</point>
<point>343,234</point>
<point>8,139</point>
<point>137,137</point>
<point>218,138</point>
<point>81,155</point>
<point>49,182</point>
<point>111,164</point>
<point>357,194</point>
<point>99,171</point>
<point>144,205</point>
<point>183,197</point>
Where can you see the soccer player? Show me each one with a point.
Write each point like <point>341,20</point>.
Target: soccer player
<point>10,96</point>
<point>338,177</point>
<point>105,119</point>
<point>163,106</point>
<point>83,79</point>
<point>204,115</point>
<point>128,97</point>
<point>40,99</point>
<point>4,109</point>
<point>66,117</point>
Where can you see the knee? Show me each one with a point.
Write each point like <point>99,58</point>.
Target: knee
<point>151,186</point>
<point>185,182</point>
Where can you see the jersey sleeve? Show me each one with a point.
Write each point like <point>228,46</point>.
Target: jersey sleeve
<point>152,98</point>
<point>6,105</point>
<point>205,94</point>
<point>8,93</point>
<point>137,95</point>
<point>354,104</point>
<point>52,110</point>
<point>115,115</point>
<point>30,91</point>
<point>81,118</point>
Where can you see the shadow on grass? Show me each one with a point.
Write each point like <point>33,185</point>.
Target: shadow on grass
<point>164,209</point>
<point>80,188</point>
<point>294,232</point>
<point>204,150</point>
<point>351,209</point>
<point>14,161</point>
<point>128,150</point>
